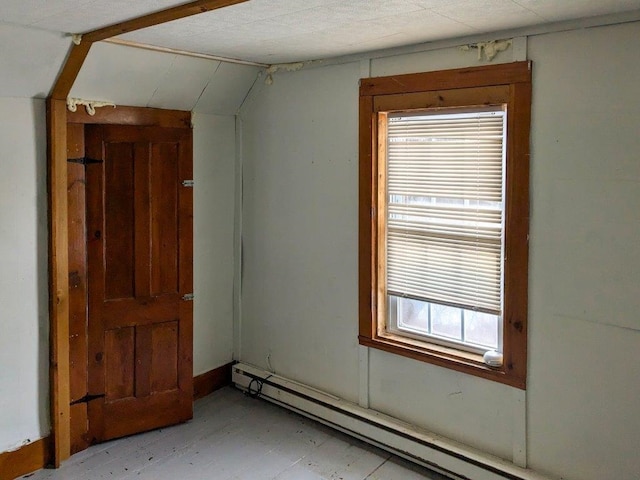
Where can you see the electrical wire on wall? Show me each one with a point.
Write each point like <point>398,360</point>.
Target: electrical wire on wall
<point>256,391</point>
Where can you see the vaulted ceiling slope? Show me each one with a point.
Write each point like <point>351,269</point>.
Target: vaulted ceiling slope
<point>34,33</point>
<point>31,58</point>
<point>132,76</point>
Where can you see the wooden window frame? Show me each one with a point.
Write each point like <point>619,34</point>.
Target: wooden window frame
<point>508,84</point>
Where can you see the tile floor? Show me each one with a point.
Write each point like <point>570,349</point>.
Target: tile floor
<point>233,437</point>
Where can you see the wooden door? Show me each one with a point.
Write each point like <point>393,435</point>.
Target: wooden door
<point>139,242</point>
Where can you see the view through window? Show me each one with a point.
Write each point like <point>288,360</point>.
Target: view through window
<point>444,225</point>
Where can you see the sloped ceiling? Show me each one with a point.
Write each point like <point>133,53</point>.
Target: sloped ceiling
<point>35,41</point>
<point>132,76</point>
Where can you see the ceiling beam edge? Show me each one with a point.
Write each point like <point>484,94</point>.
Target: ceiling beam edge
<point>175,51</point>
<point>157,18</point>
<point>70,70</point>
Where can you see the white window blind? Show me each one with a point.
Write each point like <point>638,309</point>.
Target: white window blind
<point>445,208</point>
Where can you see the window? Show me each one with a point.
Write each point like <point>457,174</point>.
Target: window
<point>444,217</point>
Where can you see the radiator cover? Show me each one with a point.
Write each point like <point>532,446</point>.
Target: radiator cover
<point>442,455</point>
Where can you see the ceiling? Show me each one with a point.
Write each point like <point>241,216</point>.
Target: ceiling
<point>277,31</point>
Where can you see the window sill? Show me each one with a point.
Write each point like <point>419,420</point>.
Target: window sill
<point>451,358</point>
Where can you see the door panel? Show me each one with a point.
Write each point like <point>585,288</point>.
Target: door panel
<point>139,223</point>
<point>119,221</point>
<point>120,363</point>
<point>164,361</point>
<point>164,221</point>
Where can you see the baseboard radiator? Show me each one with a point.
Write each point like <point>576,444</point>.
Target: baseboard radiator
<point>447,457</point>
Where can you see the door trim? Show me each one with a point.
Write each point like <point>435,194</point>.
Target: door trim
<point>57,118</point>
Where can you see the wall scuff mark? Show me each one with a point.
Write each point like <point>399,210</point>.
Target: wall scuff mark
<point>488,49</point>
<point>285,67</point>
<point>90,105</point>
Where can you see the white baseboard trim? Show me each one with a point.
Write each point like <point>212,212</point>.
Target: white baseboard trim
<point>445,456</point>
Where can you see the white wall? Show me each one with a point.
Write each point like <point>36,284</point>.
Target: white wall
<point>584,382</point>
<point>300,283</point>
<point>213,257</point>
<point>299,290</point>
<point>24,331</point>
<point>300,189</point>
<point>30,60</point>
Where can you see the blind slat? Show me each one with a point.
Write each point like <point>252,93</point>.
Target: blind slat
<point>444,210</point>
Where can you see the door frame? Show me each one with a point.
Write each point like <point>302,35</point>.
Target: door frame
<point>58,264</point>
<point>60,369</point>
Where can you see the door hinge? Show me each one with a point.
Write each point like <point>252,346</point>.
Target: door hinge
<point>84,160</point>
<point>188,297</point>
<point>87,398</point>
<point>187,183</point>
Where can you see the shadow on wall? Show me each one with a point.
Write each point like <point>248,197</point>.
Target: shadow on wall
<point>42,252</point>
